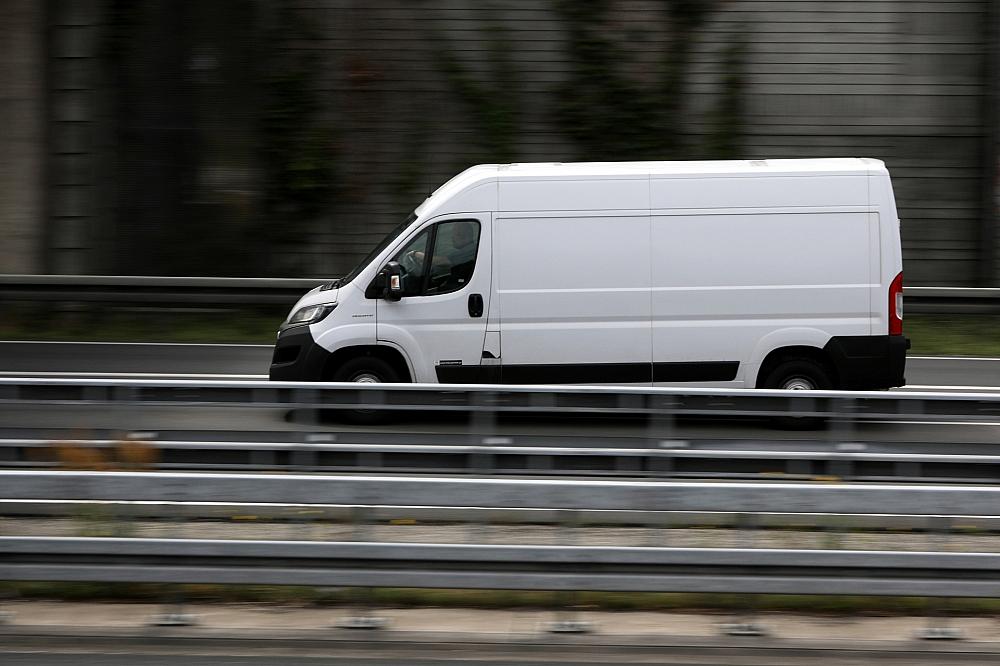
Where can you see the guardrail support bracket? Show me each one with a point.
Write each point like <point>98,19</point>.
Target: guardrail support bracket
<point>362,622</point>
<point>569,627</point>
<point>174,619</point>
<point>743,629</point>
<point>940,634</point>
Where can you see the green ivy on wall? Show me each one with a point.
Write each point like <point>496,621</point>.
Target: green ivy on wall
<point>610,116</point>
<point>493,104</point>
<point>726,119</point>
<point>298,153</point>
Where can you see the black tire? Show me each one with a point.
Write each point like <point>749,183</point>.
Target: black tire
<point>812,375</point>
<point>802,374</point>
<point>366,369</point>
<point>362,367</point>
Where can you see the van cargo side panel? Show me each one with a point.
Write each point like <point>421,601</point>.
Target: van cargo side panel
<point>574,292</point>
<point>747,191</point>
<point>569,194</point>
<point>722,283</point>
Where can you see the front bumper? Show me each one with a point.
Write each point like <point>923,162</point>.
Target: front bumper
<point>297,357</point>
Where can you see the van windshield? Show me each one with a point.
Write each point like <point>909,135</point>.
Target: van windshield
<point>391,236</point>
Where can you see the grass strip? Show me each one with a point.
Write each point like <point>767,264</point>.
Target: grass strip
<point>953,335</point>
<point>500,599</point>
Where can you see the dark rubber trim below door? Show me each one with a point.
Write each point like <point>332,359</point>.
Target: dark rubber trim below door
<point>590,373</point>
<point>696,371</point>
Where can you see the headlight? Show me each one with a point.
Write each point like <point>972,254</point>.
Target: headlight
<point>309,315</point>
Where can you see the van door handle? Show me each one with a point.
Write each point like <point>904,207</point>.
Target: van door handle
<point>475,305</point>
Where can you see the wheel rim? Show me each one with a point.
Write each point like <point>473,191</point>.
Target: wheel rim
<point>366,378</point>
<point>798,384</point>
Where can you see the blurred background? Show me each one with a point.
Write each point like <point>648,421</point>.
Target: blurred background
<point>285,137</point>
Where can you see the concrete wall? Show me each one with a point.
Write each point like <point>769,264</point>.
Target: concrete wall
<point>898,80</point>
<point>74,149</point>
<point>22,130</point>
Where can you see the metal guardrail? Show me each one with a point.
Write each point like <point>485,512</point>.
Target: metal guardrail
<point>476,452</point>
<point>852,405</point>
<point>362,563</point>
<point>952,300</point>
<point>161,290</point>
<point>316,452</point>
<point>444,492</point>
<point>225,291</point>
<point>709,570</point>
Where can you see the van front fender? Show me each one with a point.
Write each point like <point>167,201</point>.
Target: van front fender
<point>400,338</point>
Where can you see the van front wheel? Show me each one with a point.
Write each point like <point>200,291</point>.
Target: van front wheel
<point>366,370</point>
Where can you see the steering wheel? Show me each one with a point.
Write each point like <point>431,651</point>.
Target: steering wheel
<point>409,262</point>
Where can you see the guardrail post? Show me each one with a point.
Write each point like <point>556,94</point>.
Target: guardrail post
<point>566,621</point>
<point>173,614</point>
<point>840,428</point>
<point>481,428</point>
<point>483,420</point>
<point>306,456</point>
<point>661,427</point>
<point>843,467</point>
<point>833,532</point>
<point>363,597</point>
<point>478,530</point>
<point>302,524</point>
<point>6,594</point>
<point>660,430</point>
<point>938,628</point>
<point>745,624</point>
<point>662,459</point>
<point>658,528</point>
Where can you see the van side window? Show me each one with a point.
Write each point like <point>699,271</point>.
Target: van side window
<point>452,247</point>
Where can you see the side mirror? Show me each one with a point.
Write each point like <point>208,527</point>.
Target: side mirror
<point>392,288</point>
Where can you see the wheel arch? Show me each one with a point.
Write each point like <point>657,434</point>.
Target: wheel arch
<point>389,354</point>
<point>778,356</point>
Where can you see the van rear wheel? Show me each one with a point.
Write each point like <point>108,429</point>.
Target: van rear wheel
<point>366,370</point>
<point>799,374</point>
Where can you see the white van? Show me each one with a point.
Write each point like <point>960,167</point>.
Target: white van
<point>736,274</point>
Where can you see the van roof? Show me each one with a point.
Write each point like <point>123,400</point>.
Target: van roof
<point>694,168</point>
<point>478,183</point>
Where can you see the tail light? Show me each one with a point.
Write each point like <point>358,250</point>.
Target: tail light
<point>896,306</point>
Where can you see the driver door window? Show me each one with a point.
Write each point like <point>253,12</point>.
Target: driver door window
<point>412,261</point>
<point>440,259</point>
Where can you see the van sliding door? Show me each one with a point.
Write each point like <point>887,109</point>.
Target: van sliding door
<point>574,298</point>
